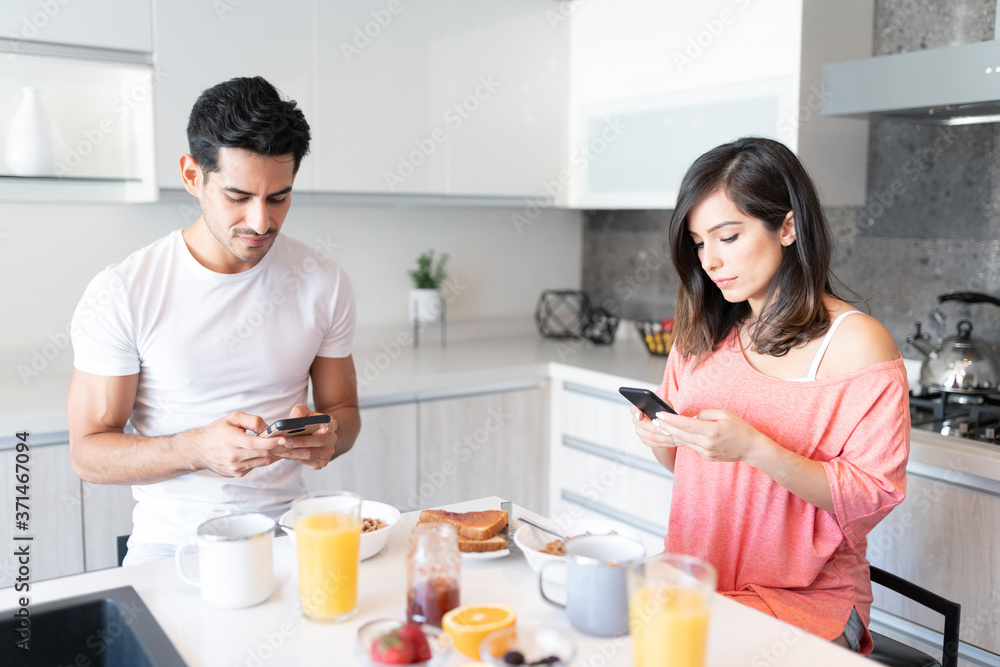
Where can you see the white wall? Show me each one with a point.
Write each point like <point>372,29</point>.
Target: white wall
<point>49,252</point>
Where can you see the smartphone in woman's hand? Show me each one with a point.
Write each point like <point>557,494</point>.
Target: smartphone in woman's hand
<point>646,401</point>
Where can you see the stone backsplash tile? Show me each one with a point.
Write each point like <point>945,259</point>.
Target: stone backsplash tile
<point>929,181</point>
<point>909,25</point>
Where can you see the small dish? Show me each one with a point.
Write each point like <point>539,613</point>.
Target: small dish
<point>532,540</point>
<point>371,542</point>
<point>438,641</point>
<point>533,644</point>
<point>485,555</point>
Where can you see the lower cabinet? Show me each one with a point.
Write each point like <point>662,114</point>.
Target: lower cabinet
<point>107,515</point>
<point>599,467</point>
<point>443,450</point>
<point>48,501</point>
<point>486,445</point>
<point>943,537</point>
<point>383,462</point>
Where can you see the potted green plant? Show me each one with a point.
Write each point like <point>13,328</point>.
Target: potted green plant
<point>425,297</point>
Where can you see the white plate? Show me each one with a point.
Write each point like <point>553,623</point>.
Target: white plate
<point>485,555</point>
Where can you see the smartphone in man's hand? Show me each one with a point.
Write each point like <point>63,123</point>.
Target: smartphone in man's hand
<point>293,427</point>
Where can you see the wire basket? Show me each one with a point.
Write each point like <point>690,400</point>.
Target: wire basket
<point>657,335</point>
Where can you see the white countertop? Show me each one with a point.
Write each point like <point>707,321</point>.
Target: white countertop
<point>274,633</point>
<point>393,373</point>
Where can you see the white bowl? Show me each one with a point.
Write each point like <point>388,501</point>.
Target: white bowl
<point>532,540</point>
<point>372,541</point>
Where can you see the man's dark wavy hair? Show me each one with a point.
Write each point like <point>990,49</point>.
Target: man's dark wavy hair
<point>246,113</point>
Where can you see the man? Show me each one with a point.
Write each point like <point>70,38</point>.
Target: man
<point>192,345</point>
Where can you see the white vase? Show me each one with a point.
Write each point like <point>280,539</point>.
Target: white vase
<point>34,144</point>
<point>425,305</point>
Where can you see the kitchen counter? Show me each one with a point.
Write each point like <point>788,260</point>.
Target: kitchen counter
<point>274,633</point>
<point>396,372</point>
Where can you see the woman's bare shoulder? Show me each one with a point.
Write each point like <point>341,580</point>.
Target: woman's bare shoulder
<point>860,341</point>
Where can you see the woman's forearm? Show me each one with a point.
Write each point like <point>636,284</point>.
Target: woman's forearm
<point>801,476</point>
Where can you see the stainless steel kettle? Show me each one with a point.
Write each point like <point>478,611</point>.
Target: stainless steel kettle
<point>962,364</point>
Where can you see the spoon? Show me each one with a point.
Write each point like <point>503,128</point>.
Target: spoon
<point>542,528</point>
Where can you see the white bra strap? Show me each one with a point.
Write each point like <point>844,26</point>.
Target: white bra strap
<point>818,359</point>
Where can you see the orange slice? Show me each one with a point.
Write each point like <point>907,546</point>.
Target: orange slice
<point>469,624</point>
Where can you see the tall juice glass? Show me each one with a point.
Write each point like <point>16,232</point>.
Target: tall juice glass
<point>328,538</point>
<point>669,600</point>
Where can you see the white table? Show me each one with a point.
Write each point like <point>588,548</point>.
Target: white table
<point>273,633</point>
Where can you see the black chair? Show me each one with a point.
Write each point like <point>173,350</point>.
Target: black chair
<point>122,548</point>
<point>891,652</point>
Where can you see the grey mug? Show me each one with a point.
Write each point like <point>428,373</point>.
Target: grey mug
<point>596,591</point>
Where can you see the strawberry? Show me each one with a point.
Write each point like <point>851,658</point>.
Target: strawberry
<point>412,633</point>
<point>392,649</point>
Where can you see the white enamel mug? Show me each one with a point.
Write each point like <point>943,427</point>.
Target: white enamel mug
<point>235,561</point>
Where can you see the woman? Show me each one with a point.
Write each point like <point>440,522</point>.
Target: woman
<point>793,432</point>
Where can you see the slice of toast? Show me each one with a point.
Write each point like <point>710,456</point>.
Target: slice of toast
<point>470,525</point>
<point>495,543</point>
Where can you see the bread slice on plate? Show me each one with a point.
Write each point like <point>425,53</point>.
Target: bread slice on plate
<point>495,543</point>
<point>479,525</point>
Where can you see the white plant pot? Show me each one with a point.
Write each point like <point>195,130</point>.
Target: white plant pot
<point>425,305</point>
<point>34,144</point>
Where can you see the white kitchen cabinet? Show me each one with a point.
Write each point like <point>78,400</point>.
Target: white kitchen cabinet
<point>200,44</point>
<point>507,78</point>
<point>653,85</point>
<point>53,513</point>
<point>102,109</point>
<point>943,537</point>
<point>382,465</point>
<point>107,515</point>
<point>381,96</point>
<point>108,24</point>
<point>451,97</point>
<point>487,444</point>
<point>598,465</point>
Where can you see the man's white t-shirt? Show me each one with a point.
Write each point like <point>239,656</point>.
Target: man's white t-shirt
<point>206,344</point>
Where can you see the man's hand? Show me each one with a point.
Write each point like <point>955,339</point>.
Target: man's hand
<point>225,448</point>
<point>313,451</point>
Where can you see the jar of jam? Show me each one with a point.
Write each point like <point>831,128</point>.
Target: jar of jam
<point>432,573</point>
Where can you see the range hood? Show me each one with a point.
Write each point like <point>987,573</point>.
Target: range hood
<point>954,85</point>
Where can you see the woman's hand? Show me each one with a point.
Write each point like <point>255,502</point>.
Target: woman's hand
<point>661,444</point>
<point>716,435</point>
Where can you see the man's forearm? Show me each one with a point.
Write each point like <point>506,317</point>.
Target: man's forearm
<point>125,458</point>
<point>348,426</point>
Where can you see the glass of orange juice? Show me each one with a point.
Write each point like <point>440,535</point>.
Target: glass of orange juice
<point>328,539</point>
<point>670,596</point>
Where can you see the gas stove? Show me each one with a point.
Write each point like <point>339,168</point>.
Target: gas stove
<point>973,417</point>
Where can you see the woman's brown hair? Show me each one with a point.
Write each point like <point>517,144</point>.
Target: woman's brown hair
<point>765,180</point>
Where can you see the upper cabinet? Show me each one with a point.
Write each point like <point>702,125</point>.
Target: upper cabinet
<point>653,85</point>
<point>381,97</point>
<point>443,97</point>
<point>200,44</point>
<point>76,101</point>
<point>108,24</point>
<point>453,97</point>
